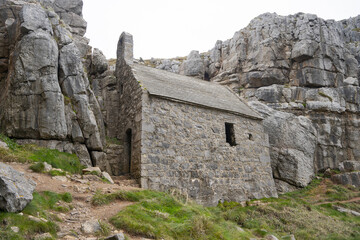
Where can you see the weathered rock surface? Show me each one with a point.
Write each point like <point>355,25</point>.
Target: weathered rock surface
<point>45,92</point>
<point>292,145</point>
<point>351,178</point>
<point>300,65</point>
<point>15,190</point>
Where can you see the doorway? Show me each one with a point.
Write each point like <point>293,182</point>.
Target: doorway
<point>128,147</point>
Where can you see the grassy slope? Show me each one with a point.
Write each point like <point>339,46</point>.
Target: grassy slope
<point>307,214</point>
<point>43,203</point>
<point>40,206</point>
<point>31,153</point>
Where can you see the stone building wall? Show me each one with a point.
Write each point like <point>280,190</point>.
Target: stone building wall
<point>129,118</point>
<point>184,147</point>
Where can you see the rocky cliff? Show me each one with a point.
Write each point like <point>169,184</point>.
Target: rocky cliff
<point>45,94</point>
<point>301,73</point>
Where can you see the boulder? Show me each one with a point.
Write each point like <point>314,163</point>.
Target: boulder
<point>15,190</point>
<point>99,63</point>
<point>193,65</point>
<point>292,145</point>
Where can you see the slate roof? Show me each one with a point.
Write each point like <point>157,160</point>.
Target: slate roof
<point>191,90</point>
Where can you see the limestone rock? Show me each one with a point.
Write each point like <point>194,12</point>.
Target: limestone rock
<point>99,63</point>
<point>44,90</point>
<point>107,177</point>
<point>193,65</point>
<point>119,236</point>
<point>345,210</point>
<point>349,166</point>
<point>3,145</point>
<point>99,160</point>
<point>292,145</point>
<point>15,190</point>
<point>92,169</point>
<point>352,178</point>
<point>90,226</point>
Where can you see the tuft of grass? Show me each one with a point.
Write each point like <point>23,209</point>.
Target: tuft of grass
<point>38,167</point>
<point>11,143</point>
<point>105,229</point>
<point>57,173</point>
<point>39,206</point>
<point>113,141</point>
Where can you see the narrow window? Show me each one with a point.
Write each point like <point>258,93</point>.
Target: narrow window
<point>230,134</point>
<point>251,137</point>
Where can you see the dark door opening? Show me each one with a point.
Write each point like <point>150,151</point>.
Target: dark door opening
<point>230,134</point>
<point>128,145</point>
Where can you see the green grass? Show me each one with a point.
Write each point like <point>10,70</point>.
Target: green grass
<point>38,167</point>
<point>30,153</point>
<point>161,215</point>
<point>41,204</point>
<point>302,213</point>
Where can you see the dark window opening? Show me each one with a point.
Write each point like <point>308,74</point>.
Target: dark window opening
<point>230,134</point>
<point>251,137</point>
<point>128,150</point>
<point>206,76</point>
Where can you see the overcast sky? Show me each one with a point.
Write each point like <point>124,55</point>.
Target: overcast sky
<point>166,28</point>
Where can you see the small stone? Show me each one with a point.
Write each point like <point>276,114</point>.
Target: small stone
<point>239,229</point>
<point>92,169</point>
<point>60,178</point>
<point>35,219</point>
<point>345,210</point>
<point>107,177</point>
<point>21,214</point>
<point>3,145</point>
<point>327,173</point>
<point>47,166</point>
<point>43,236</point>
<point>15,229</point>
<point>63,185</point>
<point>90,226</point>
<point>271,237</point>
<point>119,236</point>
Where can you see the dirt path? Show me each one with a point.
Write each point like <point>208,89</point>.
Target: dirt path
<point>82,190</point>
<point>357,199</point>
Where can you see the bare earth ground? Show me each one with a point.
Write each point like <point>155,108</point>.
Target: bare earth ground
<point>82,193</point>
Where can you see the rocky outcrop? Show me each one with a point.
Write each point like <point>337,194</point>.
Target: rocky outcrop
<point>45,92</point>
<point>305,70</point>
<point>15,190</point>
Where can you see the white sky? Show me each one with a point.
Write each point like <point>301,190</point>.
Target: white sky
<point>167,28</point>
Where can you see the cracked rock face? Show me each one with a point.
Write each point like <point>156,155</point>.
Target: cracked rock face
<point>300,65</point>
<point>45,92</point>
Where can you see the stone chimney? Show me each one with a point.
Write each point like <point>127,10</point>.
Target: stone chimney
<point>125,48</point>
